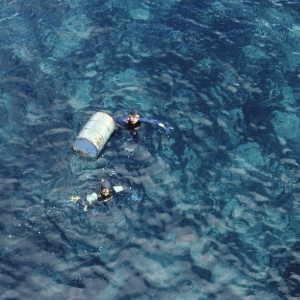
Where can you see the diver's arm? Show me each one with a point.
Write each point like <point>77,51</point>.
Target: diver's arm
<point>94,199</point>
<point>167,128</point>
<point>121,119</point>
<point>132,195</point>
<point>152,121</point>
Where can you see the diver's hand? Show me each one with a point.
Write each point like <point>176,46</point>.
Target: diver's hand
<point>168,129</point>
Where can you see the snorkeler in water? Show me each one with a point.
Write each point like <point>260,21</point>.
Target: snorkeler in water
<point>107,191</point>
<point>133,121</point>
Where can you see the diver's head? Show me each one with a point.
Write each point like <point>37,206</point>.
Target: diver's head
<point>105,192</point>
<point>105,188</point>
<point>134,116</point>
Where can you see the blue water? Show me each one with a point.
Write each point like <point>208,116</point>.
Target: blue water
<point>218,216</point>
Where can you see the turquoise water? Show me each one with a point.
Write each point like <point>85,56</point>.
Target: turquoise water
<point>219,211</point>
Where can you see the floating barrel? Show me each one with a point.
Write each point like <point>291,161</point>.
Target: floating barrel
<point>95,133</point>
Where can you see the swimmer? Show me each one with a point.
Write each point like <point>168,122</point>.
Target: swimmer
<point>107,191</point>
<point>133,121</point>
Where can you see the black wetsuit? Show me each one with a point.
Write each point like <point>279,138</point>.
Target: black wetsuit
<point>133,126</point>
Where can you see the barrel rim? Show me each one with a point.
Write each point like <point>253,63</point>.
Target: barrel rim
<point>82,153</point>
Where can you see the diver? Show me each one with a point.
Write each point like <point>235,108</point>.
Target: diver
<point>107,191</point>
<point>133,122</point>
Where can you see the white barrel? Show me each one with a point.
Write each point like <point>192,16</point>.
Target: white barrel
<point>95,133</point>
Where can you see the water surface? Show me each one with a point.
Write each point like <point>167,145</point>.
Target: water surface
<point>219,214</point>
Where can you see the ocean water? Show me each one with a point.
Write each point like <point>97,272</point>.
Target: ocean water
<point>213,208</point>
